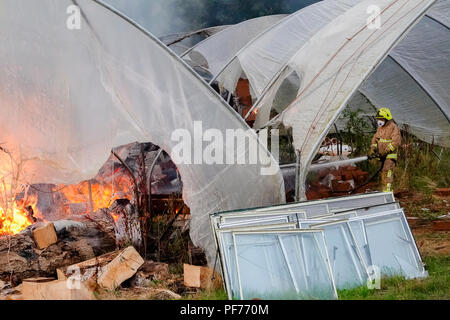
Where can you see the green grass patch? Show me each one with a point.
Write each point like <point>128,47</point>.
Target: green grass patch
<point>435,287</point>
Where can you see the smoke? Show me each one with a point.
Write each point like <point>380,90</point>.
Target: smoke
<point>160,17</point>
<point>163,17</point>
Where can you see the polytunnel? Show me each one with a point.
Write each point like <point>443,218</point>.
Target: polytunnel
<point>263,57</point>
<point>177,41</point>
<point>214,52</point>
<point>334,63</point>
<point>70,93</point>
<point>420,62</point>
<point>412,80</point>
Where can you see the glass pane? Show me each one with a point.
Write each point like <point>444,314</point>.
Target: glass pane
<point>401,258</point>
<point>283,266</point>
<point>229,257</point>
<point>386,242</point>
<point>256,222</point>
<point>346,263</point>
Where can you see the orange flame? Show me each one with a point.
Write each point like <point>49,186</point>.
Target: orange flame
<point>103,195</point>
<point>17,218</point>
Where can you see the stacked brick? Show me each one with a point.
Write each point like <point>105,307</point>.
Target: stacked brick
<point>334,182</point>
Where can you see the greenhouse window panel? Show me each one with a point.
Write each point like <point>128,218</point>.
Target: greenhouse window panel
<point>227,254</point>
<point>376,233</point>
<point>290,264</point>
<point>349,269</point>
<point>256,219</point>
<point>317,208</point>
<point>363,211</point>
<point>292,215</point>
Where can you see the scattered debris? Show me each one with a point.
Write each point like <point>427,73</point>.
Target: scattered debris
<point>127,226</point>
<point>442,192</point>
<point>165,294</point>
<point>201,277</point>
<point>149,272</point>
<point>108,270</point>
<point>52,289</point>
<point>441,225</point>
<point>21,259</point>
<point>332,182</point>
<point>45,235</point>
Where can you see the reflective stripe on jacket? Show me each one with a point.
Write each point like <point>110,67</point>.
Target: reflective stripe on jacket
<point>387,139</point>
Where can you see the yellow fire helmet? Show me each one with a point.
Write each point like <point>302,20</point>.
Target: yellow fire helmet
<point>384,113</point>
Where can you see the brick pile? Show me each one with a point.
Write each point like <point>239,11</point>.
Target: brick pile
<point>335,182</point>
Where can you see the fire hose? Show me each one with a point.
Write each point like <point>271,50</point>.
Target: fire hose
<point>371,157</point>
<point>318,166</point>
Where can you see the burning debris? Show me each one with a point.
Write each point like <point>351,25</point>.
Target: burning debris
<point>48,228</point>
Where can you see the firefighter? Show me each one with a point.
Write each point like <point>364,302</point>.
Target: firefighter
<point>384,146</point>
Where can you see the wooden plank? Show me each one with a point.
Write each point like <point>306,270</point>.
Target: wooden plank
<point>108,270</point>
<point>201,277</point>
<point>45,235</point>
<point>51,289</point>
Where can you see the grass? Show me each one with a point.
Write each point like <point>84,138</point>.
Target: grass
<point>219,294</point>
<point>435,287</point>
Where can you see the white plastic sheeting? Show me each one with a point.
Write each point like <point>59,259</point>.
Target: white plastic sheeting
<point>214,52</point>
<point>416,88</point>
<point>414,81</point>
<point>334,63</point>
<point>183,41</point>
<point>67,96</point>
<point>263,57</point>
<point>171,39</point>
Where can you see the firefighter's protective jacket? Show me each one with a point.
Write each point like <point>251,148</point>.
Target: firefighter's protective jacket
<point>387,139</point>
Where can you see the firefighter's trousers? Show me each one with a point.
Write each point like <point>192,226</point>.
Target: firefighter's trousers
<point>387,175</point>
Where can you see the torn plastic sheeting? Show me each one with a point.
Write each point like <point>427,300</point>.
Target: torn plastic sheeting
<point>334,63</point>
<point>69,96</point>
<point>262,58</point>
<point>413,81</point>
<point>214,52</point>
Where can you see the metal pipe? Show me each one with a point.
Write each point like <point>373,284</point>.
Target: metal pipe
<point>318,166</point>
<point>297,174</point>
<point>150,180</point>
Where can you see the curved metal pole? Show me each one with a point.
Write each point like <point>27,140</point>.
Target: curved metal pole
<point>288,17</point>
<point>170,53</point>
<point>150,180</point>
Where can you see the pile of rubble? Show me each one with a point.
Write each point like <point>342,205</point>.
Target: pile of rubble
<point>46,268</point>
<point>335,182</point>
